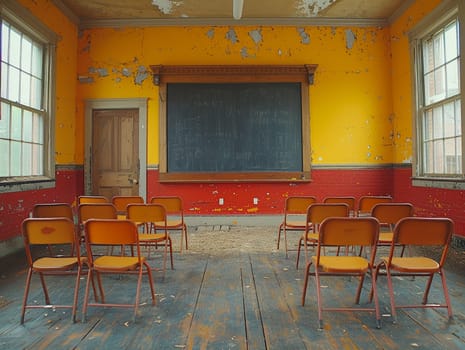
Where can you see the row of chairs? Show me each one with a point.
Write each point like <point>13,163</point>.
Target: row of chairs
<point>296,208</point>
<point>364,232</point>
<point>172,204</point>
<point>63,232</point>
<point>123,221</point>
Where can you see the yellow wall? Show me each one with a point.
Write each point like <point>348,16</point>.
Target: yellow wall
<point>402,78</point>
<point>65,122</point>
<point>351,102</point>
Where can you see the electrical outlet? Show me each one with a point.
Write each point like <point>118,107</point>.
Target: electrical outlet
<point>255,200</point>
<point>221,201</point>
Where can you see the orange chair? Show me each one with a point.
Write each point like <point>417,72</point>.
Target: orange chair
<point>366,204</point>
<point>92,199</point>
<point>295,212</point>
<point>152,217</point>
<point>123,232</point>
<point>342,232</point>
<point>418,231</point>
<point>175,215</point>
<point>350,201</point>
<point>121,203</point>
<point>388,215</point>
<point>48,231</point>
<point>316,213</point>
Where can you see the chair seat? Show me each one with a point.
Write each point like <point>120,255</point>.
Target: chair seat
<point>49,263</point>
<point>295,224</point>
<point>416,264</point>
<point>345,264</point>
<point>151,237</point>
<point>169,223</point>
<point>385,237</point>
<point>123,263</point>
<point>312,237</point>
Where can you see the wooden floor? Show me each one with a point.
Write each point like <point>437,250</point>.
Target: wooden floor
<point>230,301</point>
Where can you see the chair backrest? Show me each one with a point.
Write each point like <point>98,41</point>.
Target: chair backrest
<point>53,210</point>
<point>111,232</point>
<point>391,213</point>
<point>424,231</point>
<point>350,201</point>
<point>121,202</point>
<point>146,213</point>
<point>341,231</point>
<point>366,203</point>
<point>92,199</point>
<point>318,212</point>
<point>172,204</point>
<point>45,231</point>
<point>96,211</point>
<point>298,204</point>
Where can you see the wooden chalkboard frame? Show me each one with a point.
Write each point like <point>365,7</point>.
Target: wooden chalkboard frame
<point>303,74</point>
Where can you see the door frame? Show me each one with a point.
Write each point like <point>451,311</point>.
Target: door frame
<point>116,103</point>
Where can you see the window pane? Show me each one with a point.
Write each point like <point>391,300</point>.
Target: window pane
<point>451,41</point>
<point>439,84</point>
<point>26,52</point>
<point>4,158</point>
<point>15,47</point>
<point>438,43</point>
<point>438,127</point>
<point>16,123</point>
<point>428,127</point>
<point>458,124</point>
<point>27,126</point>
<point>5,122</point>
<point>15,156</point>
<point>429,88</point>
<point>428,63</point>
<point>4,80</point>
<point>5,41</point>
<point>25,97</point>
<point>37,129</point>
<point>428,157</point>
<point>449,120</point>
<point>438,156</point>
<point>451,158</point>
<point>37,159</point>
<point>13,84</point>
<point>27,159</point>
<point>452,72</point>
<point>36,93</point>
<point>37,58</point>
<point>458,147</point>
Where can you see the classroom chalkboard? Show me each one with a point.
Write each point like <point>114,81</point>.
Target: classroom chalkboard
<point>234,127</point>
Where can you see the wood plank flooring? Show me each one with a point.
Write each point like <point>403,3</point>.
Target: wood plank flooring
<point>234,300</point>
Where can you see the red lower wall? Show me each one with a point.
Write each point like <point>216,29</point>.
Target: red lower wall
<point>238,198</point>
<point>203,199</point>
<point>16,206</point>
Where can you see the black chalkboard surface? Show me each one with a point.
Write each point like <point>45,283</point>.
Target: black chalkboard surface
<point>234,127</point>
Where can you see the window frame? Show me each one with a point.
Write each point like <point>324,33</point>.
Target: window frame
<point>434,21</point>
<point>23,20</point>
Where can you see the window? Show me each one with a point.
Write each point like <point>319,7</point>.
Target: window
<point>26,90</point>
<point>436,44</point>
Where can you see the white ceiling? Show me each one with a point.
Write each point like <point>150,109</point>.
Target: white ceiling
<point>184,12</point>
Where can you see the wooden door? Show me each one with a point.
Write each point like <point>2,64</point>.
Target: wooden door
<point>115,152</point>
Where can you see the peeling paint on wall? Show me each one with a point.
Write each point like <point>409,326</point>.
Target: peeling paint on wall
<point>141,75</point>
<point>256,36</point>
<point>350,39</point>
<point>166,6</point>
<point>232,36</point>
<point>304,37</point>
<point>211,33</point>
<point>311,8</point>
<point>102,72</point>
<point>244,52</point>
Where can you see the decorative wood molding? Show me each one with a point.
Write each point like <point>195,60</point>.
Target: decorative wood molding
<point>214,73</point>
